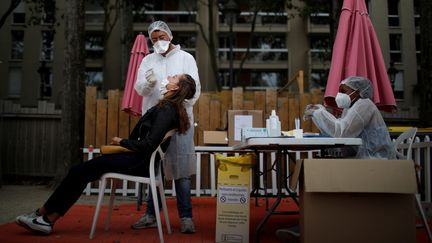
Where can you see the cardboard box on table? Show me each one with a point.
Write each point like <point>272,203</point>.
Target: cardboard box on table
<point>238,119</point>
<point>347,200</point>
<point>232,207</point>
<point>215,138</point>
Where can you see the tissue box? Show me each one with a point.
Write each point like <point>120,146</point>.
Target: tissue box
<point>250,132</point>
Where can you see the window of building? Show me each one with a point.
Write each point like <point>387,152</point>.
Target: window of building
<point>45,85</point>
<point>17,50</point>
<point>399,85</point>
<point>94,77</point>
<point>18,15</point>
<point>320,49</point>
<point>418,48</point>
<point>254,79</point>
<point>15,79</point>
<point>318,78</point>
<point>48,12</point>
<point>186,40</point>
<point>416,13</point>
<point>94,45</point>
<point>169,11</point>
<point>266,78</point>
<point>270,47</point>
<point>393,13</point>
<point>94,13</point>
<point>47,48</point>
<point>319,18</point>
<point>272,12</point>
<point>395,48</point>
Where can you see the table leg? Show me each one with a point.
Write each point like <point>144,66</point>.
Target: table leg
<point>271,210</point>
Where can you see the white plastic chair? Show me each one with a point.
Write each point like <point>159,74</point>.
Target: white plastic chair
<point>155,181</point>
<point>403,152</point>
<point>406,137</point>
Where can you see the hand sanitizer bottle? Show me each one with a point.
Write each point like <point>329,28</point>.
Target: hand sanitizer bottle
<point>273,125</point>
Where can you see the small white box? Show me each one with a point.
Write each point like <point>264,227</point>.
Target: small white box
<point>298,133</point>
<point>253,132</point>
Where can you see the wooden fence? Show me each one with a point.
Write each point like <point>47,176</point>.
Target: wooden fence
<point>29,143</point>
<point>104,118</point>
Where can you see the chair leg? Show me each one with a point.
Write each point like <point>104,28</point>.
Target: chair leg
<point>102,186</point>
<point>114,184</point>
<point>139,196</point>
<point>157,214</point>
<point>164,208</point>
<point>423,216</point>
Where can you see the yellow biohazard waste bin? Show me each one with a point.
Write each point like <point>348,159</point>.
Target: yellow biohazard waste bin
<point>232,210</point>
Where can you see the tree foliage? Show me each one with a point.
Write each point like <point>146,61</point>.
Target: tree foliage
<point>12,5</point>
<point>332,7</point>
<point>41,11</point>
<point>256,6</point>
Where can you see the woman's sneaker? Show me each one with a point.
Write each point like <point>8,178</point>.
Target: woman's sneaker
<point>38,225</point>
<point>187,226</point>
<point>146,221</point>
<point>21,218</point>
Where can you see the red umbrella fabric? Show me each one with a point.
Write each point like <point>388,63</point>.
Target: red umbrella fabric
<point>132,101</point>
<point>357,52</point>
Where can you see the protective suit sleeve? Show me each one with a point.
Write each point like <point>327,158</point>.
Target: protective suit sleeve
<point>142,86</point>
<point>351,124</point>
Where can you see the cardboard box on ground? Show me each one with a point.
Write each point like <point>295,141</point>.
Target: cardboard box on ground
<point>238,119</point>
<point>347,200</point>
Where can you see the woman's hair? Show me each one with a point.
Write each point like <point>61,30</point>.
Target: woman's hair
<point>185,91</point>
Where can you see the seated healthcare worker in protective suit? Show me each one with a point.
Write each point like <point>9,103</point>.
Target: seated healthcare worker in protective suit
<point>360,118</point>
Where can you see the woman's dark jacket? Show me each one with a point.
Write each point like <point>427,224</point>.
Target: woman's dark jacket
<point>150,130</point>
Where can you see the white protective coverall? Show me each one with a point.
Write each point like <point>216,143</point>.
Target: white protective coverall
<point>362,120</point>
<point>180,159</point>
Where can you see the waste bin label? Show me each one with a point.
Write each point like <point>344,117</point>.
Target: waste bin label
<point>233,194</point>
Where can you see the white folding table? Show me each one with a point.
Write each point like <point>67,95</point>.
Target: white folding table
<point>281,145</point>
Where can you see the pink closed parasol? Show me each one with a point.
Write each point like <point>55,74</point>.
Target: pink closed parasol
<point>132,101</point>
<point>357,52</point>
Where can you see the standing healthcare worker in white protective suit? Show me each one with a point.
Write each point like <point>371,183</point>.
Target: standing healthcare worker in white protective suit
<point>166,60</point>
<point>360,118</point>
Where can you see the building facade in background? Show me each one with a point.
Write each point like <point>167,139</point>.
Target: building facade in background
<point>282,43</point>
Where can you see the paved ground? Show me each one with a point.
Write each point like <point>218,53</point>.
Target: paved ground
<point>19,199</point>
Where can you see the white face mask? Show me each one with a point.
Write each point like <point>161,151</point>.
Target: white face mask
<point>161,46</point>
<point>343,100</point>
<point>163,89</point>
